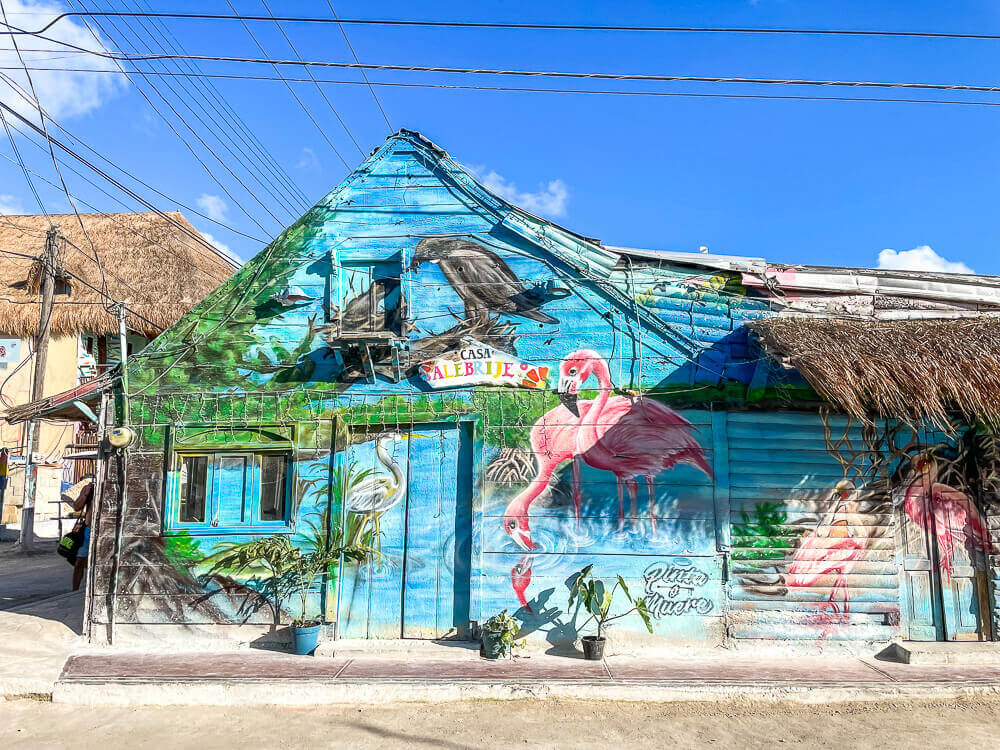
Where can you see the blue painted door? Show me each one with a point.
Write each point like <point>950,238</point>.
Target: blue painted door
<point>369,594</point>
<point>418,585</point>
<point>920,576</point>
<point>962,580</point>
<point>436,575</point>
<point>944,564</point>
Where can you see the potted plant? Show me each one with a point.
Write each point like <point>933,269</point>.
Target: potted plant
<point>596,598</point>
<point>499,636</point>
<point>288,572</point>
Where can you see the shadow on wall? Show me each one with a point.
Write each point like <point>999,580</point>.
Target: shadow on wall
<point>734,363</point>
<point>562,629</point>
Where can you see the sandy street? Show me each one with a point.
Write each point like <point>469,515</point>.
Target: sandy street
<point>30,724</point>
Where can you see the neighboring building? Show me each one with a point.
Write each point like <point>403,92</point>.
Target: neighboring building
<point>160,267</point>
<point>494,402</point>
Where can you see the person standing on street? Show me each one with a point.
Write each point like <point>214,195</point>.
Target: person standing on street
<point>85,506</point>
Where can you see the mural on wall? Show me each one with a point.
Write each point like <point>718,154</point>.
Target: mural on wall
<point>632,438</point>
<point>831,549</point>
<point>620,455</point>
<point>842,559</point>
<point>486,286</point>
<point>484,282</point>
<point>371,494</point>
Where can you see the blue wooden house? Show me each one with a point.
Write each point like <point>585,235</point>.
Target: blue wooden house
<point>491,402</point>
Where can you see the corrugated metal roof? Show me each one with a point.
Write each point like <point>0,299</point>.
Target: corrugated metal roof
<point>706,260</point>
<point>783,278</point>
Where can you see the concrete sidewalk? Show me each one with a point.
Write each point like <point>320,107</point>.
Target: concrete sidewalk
<point>262,677</point>
<point>35,640</point>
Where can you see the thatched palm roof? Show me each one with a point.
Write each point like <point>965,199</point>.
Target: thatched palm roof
<point>915,370</point>
<point>159,270</point>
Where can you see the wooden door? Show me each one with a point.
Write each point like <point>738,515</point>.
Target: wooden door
<point>960,542</point>
<point>920,577</point>
<point>369,594</point>
<point>418,586</point>
<point>944,567</point>
<point>437,562</point>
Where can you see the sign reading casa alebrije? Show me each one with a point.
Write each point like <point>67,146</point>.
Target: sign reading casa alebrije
<point>476,363</point>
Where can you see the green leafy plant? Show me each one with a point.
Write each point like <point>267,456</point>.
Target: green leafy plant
<point>507,628</point>
<point>597,598</point>
<point>285,570</point>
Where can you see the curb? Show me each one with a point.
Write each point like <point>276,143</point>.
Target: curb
<point>311,692</point>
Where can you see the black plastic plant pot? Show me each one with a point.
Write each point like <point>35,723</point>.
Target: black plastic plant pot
<point>593,647</point>
<point>492,645</point>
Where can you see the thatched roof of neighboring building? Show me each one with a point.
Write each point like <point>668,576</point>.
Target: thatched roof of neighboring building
<point>916,370</point>
<point>160,270</point>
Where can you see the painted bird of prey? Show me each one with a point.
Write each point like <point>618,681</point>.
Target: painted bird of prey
<point>482,280</point>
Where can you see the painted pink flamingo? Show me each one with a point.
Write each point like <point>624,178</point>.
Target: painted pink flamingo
<point>553,441</point>
<point>832,548</point>
<point>520,577</point>
<point>955,516</point>
<point>630,437</point>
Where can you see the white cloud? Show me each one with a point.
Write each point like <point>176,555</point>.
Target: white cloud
<point>10,205</point>
<point>62,93</point>
<point>921,258</point>
<point>222,247</point>
<point>213,206</point>
<point>308,160</point>
<point>551,198</point>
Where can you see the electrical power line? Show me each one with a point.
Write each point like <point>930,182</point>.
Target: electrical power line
<point>132,194</point>
<point>531,26</point>
<point>133,177</point>
<point>87,284</point>
<point>295,96</point>
<point>526,89</point>
<point>645,77</point>
<point>55,163</point>
<point>272,165</point>
<point>364,75</point>
<point>187,102</point>
<point>188,145</point>
<point>319,88</point>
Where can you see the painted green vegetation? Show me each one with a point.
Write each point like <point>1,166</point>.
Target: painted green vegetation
<point>284,571</point>
<point>764,534</point>
<point>206,348</point>
<point>183,552</point>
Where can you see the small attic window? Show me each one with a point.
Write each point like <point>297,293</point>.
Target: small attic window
<point>367,299</point>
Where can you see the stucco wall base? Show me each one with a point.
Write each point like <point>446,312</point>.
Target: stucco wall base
<point>191,637</point>
<point>171,637</point>
<point>376,692</point>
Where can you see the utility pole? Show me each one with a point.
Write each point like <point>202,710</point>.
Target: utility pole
<point>49,263</point>
<point>123,346</point>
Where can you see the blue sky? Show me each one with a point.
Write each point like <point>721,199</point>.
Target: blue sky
<point>793,181</point>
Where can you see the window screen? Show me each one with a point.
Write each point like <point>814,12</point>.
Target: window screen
<point>273,470</point>
<point>194,481</point>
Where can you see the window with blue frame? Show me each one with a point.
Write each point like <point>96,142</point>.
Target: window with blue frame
<point>230,492</point>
